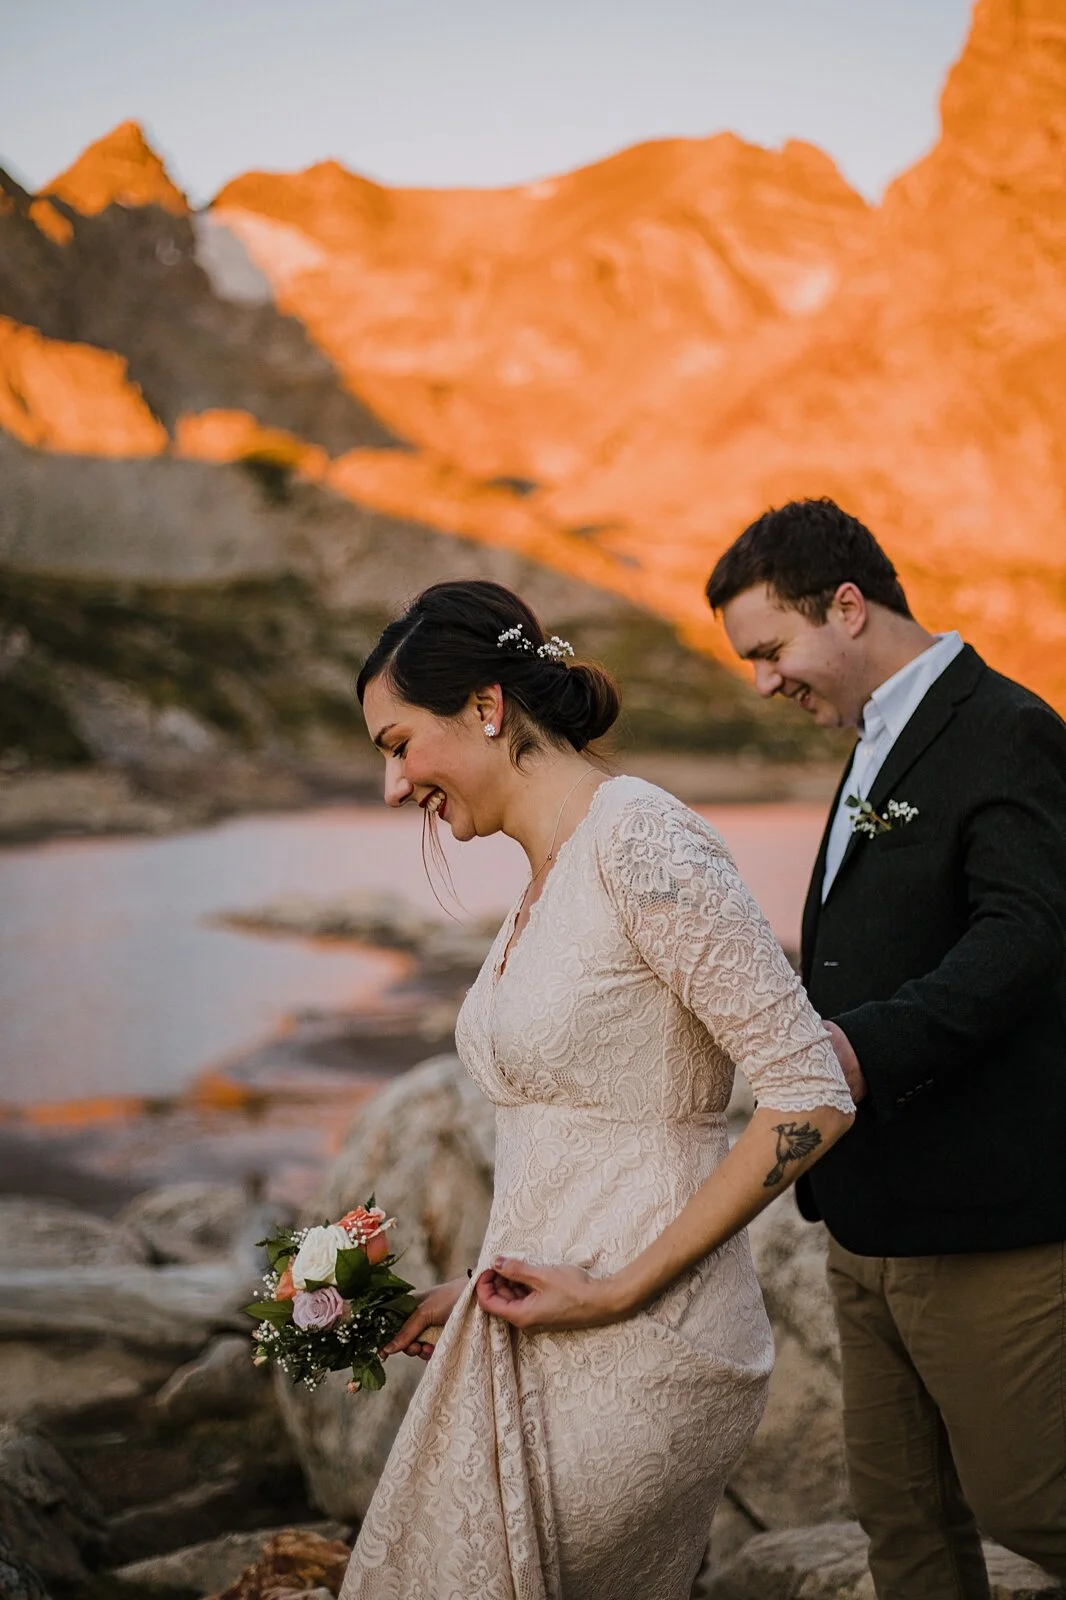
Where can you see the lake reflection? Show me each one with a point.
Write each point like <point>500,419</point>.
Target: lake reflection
<point>113,982</point>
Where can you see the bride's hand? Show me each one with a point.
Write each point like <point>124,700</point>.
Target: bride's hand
<point>434,1308</point>
<point>541,1299</point>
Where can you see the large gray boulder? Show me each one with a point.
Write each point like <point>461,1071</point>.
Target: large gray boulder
<point>185,1222</point>
<point>110,1291</point>
<point>18,1580</point>
<point>219,1382</point>
<point>804,1404</point>
<point>424,1146</point>
<point>53,1381</point>
<point>50,1233</point>
<point>162,1308</point>
<point>51,1520</point>
<point>828,1562</point>
<point>213,1564</point>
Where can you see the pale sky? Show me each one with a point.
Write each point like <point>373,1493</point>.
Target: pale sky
<point>452,93</point>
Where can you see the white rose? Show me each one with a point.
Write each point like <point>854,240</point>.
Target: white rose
<point>316,1259</point>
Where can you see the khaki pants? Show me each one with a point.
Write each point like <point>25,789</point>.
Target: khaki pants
<point>954,1373</point>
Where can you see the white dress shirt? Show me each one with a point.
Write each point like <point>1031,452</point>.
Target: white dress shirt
<point>884,717</point>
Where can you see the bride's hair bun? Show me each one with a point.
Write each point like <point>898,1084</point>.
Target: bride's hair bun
<point>457,638</point>
<point>578,703</point>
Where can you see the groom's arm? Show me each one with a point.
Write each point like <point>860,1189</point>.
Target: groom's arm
<point>1014,947</point>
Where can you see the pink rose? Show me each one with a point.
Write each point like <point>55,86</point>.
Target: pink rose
<point>318,1308</point>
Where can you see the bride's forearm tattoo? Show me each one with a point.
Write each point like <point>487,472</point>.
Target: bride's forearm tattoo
<point>793,1144</point>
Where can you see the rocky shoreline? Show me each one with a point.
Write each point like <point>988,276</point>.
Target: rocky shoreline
<point>142,1456</point>
<point>99,800</point>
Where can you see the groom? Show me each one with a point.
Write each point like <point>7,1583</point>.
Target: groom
<point>934,938</point>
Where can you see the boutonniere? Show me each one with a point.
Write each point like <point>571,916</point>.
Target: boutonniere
<point>866,820</point>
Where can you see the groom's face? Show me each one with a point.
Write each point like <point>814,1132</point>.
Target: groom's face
<point>816,664</point>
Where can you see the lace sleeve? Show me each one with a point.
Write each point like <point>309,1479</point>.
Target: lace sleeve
<point>690,915</point>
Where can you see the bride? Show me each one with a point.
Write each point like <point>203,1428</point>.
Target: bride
<point>606,1364</point>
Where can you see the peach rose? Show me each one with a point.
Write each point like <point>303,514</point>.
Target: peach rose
<point>377,1248</point>
<point>363,1221</point>
<point>286,1289</point>
<point>370,1229</point>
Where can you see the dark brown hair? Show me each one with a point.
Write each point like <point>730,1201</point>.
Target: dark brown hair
<point>445,648</point>
<point>804,551</point>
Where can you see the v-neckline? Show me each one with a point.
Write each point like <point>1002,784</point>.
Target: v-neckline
<point>505,961</point>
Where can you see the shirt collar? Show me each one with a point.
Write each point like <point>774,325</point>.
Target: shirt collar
<point>894,702</point>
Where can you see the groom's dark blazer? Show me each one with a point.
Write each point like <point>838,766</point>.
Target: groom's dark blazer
<point>941,952</point>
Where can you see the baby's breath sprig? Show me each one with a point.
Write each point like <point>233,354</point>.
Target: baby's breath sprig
<point>867,820</point>
<point>553,649</point>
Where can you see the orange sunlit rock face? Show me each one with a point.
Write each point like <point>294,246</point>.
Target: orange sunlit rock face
<point>237,436</point>
<point>512,332</point>
<point>52,223</point>
<point>615,370</point>
<point>668,342</point>
<point>71,397</point>
<point>120,169</point>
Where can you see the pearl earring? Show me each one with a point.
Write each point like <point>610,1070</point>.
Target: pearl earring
<point>490,730</point>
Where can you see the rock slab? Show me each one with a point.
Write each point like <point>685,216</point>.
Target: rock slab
<point>805,1397</point>
<point>829,1562</point>
<point>50,1518</point>
<point>18,1580</point>
<point>187,1222</point>
<point>292,1562</point>
<point>45,1382</point>
<point>169,1308</point>
<point>216,1563</point>
<point>38,1234</point>
<point>220,1382</point>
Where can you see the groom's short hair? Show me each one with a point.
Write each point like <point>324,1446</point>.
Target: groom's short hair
<point>803,552</point>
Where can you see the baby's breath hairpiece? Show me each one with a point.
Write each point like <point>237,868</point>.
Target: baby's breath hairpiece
<point>514,639</point>
<point>553,649</point>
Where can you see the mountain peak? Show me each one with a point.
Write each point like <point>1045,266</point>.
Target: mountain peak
<point>119,169</point>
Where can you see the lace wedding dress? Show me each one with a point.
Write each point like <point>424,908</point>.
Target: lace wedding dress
<point>587,1465</point>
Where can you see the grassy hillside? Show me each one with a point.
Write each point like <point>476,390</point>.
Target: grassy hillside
<point>95,670</point>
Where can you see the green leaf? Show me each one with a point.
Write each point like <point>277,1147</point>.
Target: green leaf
<point>277,1312</point>
<point>353,1272</point>
<point>311,1284</point>
<point>279,1247</point>
<point>382,1278</point>
<point>404,1303</point>
<point>369,1375</point>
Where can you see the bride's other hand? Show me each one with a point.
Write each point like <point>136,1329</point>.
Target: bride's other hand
<point>434,1308</point>
<point>543,1299</point>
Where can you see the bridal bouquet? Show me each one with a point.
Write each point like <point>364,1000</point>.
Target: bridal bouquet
<point>331,1301</point>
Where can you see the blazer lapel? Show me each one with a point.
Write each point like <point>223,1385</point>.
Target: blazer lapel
<point>813,903</point>
<point>956,683</point>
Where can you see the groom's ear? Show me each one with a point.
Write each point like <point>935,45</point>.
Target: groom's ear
<point>848,606</point>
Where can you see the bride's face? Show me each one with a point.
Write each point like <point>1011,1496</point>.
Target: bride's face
<point>446,765</point>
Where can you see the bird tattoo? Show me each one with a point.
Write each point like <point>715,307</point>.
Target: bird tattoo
<point>793,1143</point>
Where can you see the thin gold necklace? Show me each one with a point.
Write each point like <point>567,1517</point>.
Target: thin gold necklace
<point>555,834</point>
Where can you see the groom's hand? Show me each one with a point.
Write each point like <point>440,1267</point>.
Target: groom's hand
<point>849,1061</point>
